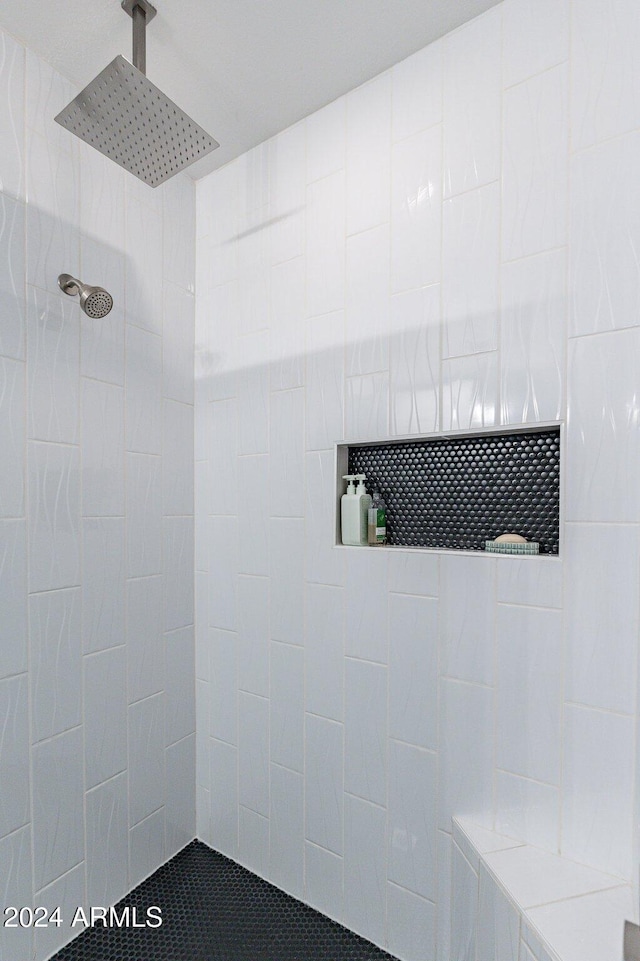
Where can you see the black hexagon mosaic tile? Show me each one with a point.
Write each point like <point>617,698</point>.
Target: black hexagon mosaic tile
<point>459,492</point>
<point>215,910</point>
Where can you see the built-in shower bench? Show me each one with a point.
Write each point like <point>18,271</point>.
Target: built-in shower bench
<point>514,902</point>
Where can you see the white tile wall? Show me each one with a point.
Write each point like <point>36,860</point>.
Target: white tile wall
<point>465,258</point>
<point>77,397</point>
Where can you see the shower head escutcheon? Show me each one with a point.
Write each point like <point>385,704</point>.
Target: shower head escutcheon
<point>128,119</point>
<point>95,301</point>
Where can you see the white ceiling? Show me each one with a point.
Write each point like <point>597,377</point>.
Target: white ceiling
<point>243,69</point>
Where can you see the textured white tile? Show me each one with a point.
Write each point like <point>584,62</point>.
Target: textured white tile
<point>102,449</point>
<point>444,897</point>
<point>53,367</point>
<point>531,581</point>
<point>535,877</point>
<point>218,342</point>
<point>602,615</point>
<point>528,811</point>
<point>324,782</point>
<point>55,662</point>
<point>13,597</point>
<point>475,842</point>
<point>222,471</point>
<point>14,753</point>
<point>253,841</point>
<point>224,798</point>
<point>286,566</point>
<point>367,406</point>
<point>466,758</point>
<point>364,868</point>
<point>144,270</point>
<point>324,880</point>
<point>57,806</point>
<point>12,276</point>
<point>105,716</point>
<point>472,101</point>
<point>223,568</point>
<point>102,347</point>
<point>411,924</point>
<point>470,255</point>
<point>177,458</point>
<point>16,887</point>
<point>143,378</point>
<point>597,805</point>
<point>287,705</point>
<point>67,893</point>
<point>533,330</point>
<point>107,842</point>
<point>324,411</point>
<point>366,632</point>
<point>253,753</point>
<point>286,322</point>
<point>466,626</point>
<point>417,92</point>
<point>223,717</point>
<point>326,140</point>
<point>103,264</point>
<point>253,635</point>
<point>102,198</point>
<point>414,572</point>
<point>470,392</point>
<point>416,210</point>
<point>179,213</point>
<point>54,523</point>
<point>180,807</point>
<point>604,275</point>
<point>253,394</point>
<point>287,189</point>
<point>415,361</point>
<point>365,729</point>
<point>286,461</point>
<point>53,211</point>
<point>254,274</point>
<point>179,705</point>
<point>146,847</point>
<point>325,259</point>
<point>144,637</point>
<point>12,73</point>
<point>322,563</point>
<point>367,301</point>
<point>587,928</point>
<point>464,907</point>
<point>412,856</point>
<point>606,78</point>
<point>536,37</point>
<point>144,515</point>
<point>529,692</point>
<point>324,649</point>
<point>368,153</point>
<point>498,921</point>
<point>535,174</point>
<point>286,853</point>
<point>177,561</point>
<point>178,335</point>
<point>47,92</point>
<point>146,757</point>
<point>12,437</point>
<point>413,669</point>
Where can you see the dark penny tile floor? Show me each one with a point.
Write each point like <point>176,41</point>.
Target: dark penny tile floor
<point>215,910</point>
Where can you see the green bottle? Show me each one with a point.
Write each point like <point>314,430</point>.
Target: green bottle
<point>377,528</point>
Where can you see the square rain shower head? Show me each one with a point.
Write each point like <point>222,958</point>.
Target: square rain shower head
<point>128,119</point>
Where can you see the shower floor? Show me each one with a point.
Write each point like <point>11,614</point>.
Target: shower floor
<point>215,910</point>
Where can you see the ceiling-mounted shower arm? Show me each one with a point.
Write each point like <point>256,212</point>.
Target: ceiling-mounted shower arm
<point>142,13</point>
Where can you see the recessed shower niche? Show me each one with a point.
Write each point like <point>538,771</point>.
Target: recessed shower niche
<point>456,491</point>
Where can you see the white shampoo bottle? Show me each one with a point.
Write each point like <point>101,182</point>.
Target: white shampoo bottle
<point>350,514</point>
<point>364,505</point>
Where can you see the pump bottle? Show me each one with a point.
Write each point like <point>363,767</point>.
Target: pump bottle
<point>365,504</point>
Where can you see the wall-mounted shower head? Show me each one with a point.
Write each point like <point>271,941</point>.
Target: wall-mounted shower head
<point>95,301</point>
